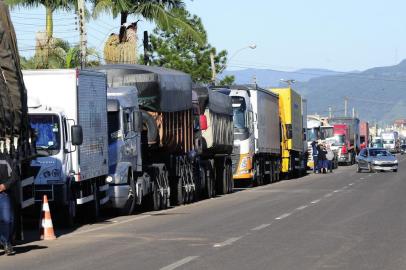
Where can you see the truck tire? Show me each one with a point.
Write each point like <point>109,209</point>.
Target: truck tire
<point>156,198</point>
<point>96,202</point>
<point>129,206</point>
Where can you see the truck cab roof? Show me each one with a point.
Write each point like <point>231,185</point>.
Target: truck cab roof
<point>127,97</point>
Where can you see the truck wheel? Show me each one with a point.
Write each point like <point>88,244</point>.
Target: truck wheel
<point>209,184</point>
<point>129,206</point>
<point>230,178</point>
<point>156,198</point>
<point>96,202</point>
<point>180,191</point>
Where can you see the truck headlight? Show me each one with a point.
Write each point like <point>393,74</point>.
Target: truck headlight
<point>396,162</point>
<point>109,179</point>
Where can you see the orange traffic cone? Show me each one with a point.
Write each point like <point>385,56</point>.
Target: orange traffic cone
<point>47,228</point>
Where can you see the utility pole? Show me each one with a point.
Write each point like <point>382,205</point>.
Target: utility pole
<point>146,48</point>
<point>345,106</point>
<point>330,112</point>
<point>353,112</point>
<point>213,69</point>
<point>82,32</point>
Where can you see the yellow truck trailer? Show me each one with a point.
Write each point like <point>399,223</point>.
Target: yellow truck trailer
<point>292,137</point>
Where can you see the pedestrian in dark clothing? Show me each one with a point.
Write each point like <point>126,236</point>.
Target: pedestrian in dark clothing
<point>321,157</point>
<point>7,183</point>
<point>314,155</point>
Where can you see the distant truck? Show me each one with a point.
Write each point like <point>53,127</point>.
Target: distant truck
<point>390,141</point>
<point>290,113</point>
<point>364,134</point>
<point>377,142</point>
<point>347,133</point>
<point>68,112</point>
<point>256,152</point>
<point>319,131</point>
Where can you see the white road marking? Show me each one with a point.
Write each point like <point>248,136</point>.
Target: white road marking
<point>260,227</point>
<point>227,242</point>
<point>302,207</point>
<point>106,226</point>
<point>179,263</point>
<point>315,201</point>
<point>338,190</point>
<point>328,195</point>
<point>351,184</point>
<point>362,178</point>
<point>283,216</point>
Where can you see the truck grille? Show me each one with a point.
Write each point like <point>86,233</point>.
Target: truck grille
<point>41,190</point>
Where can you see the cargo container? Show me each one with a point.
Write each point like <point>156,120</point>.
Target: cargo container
<point>214,136</point>
<point>364,135</point>
<point>67,111</point>
<point>290,112</point>
<point>256,151</point>
<point>165,102</point>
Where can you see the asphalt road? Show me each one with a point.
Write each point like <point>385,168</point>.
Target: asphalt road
<point>343,220</point>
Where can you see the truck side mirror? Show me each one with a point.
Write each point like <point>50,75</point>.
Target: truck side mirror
<point>203,122</point>
<point>76,135</point>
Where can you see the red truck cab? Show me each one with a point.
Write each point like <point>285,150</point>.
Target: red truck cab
<point>346,149</point>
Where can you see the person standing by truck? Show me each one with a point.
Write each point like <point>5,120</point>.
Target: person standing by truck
<point>7,183</point>
<point>315,155</point>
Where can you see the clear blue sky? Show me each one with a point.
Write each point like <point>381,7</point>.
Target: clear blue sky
<point>291,34</point>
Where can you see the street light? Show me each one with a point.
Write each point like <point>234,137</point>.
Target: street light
<point>214,75</point>
<point>252,47</point>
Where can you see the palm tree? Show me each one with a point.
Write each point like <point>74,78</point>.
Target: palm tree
<point>50,7</point>
<point>60,54</point>
<point>122,48</point>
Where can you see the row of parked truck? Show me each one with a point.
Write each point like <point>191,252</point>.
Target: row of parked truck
<point>131,135</point>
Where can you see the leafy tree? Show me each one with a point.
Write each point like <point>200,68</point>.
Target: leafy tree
<point>175,49</point>
<point>160,12</point>
<point>59,54</point>
<point>50,7</point>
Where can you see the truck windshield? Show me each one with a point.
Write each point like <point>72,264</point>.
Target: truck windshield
<point>113,120</point>
<point>47,131</point>
<point>388,141</point>
<point>339,140</point>
<point>327,132</point>
<point>239,109</point>
<point>313,134</point>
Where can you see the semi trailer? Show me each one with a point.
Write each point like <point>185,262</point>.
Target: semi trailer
<point>256,152</point>
<point>68,113</point>
<point>165,103</point>
<point>214,140</point>
<point>290,112</point>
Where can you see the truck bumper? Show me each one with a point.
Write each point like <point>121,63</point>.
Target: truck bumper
<point>118,195</point>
